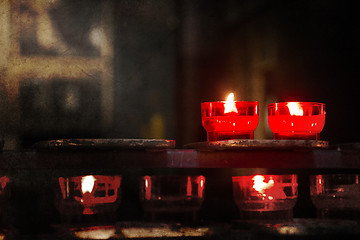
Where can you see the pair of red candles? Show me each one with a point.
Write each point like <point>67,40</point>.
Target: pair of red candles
<point>224,120</point>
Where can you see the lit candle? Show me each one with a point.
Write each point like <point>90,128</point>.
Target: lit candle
<point>224,120</point>
<point>296,120</point>
<point>89,193</point>
<point>259,194</point>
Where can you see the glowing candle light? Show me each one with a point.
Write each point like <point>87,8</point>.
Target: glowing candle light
<point>295,109</point>
<point>296,120</point>
<point>89,193</point>
<point>224,120</point>
<point>230,104</point>
<point>265,195</point>
<point>87,184</point>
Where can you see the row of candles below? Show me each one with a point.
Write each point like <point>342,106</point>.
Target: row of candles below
<point>257,196</point>
<point>224,120</point>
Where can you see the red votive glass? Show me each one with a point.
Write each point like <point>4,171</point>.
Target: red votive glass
<point>89,195</point>
<point>4,195</point>
<point>237,123</point>
<point>265,196</point>
<point>336,195</point>
<point>173,198</point>
<point>296,120</point>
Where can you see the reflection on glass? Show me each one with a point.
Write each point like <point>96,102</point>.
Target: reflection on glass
<point>172,194</point>
<point>87,195</point>
<point>265,196</point>
<point>336,195</point>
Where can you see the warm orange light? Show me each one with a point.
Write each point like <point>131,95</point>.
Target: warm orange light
<point>95,232</point>
<point>147,187</point>
<point>230,104</point>
<point>260,185</point>
<point>87,184</point>
<point>201,186</point>
<point>295,109</point>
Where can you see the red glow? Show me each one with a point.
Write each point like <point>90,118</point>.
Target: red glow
<point>147,187</point>
<point>188,187</point>
<point>260,185</point>
<point>319,184</point>
<point>265,192</point>
<point>93,189</point>
<point>201,186</point>
<point>224,125</point>
<point>4,180</point>
<point>296,120</point>
<point>267,189</point>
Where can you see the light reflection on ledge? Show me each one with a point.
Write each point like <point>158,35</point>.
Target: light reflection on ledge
<point>96,232</point>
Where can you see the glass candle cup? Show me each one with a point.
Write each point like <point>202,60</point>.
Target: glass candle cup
<point>4,199</point>
<point>172,197</point>
<point>90,195</point>
<point>336,195</point>
<point>296,120</point>
<point>265,196</point>
<point>239,122</point>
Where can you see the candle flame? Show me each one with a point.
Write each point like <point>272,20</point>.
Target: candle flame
<point>295,109</point>
<point>230,104</point>
<point>260,185</point>
<point>87,184</point>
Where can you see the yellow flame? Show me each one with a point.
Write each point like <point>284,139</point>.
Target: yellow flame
<point>295,109</point>
<point>260,185</point>
<point>230,104</point>
<point>87,183</point>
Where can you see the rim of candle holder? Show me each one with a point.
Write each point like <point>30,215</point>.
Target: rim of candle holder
<point>105,144</point>
<point>255,144</point>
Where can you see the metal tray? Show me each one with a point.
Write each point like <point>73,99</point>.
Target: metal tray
<point>254,144</point>
<point>105,144</point>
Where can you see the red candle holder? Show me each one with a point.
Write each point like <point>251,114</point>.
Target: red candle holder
<point>265,196</point>
<point>4,192</point>
<point>89,195</point>
<point>4,181</point>
<point>224,120</point>
<point>336,195</point>
<point>296,120</point>
<point>172,197</point>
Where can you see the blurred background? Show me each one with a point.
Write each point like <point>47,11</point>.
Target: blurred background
<point>141,68</point>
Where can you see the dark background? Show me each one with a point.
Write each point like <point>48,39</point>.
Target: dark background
<point>169,56</point>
